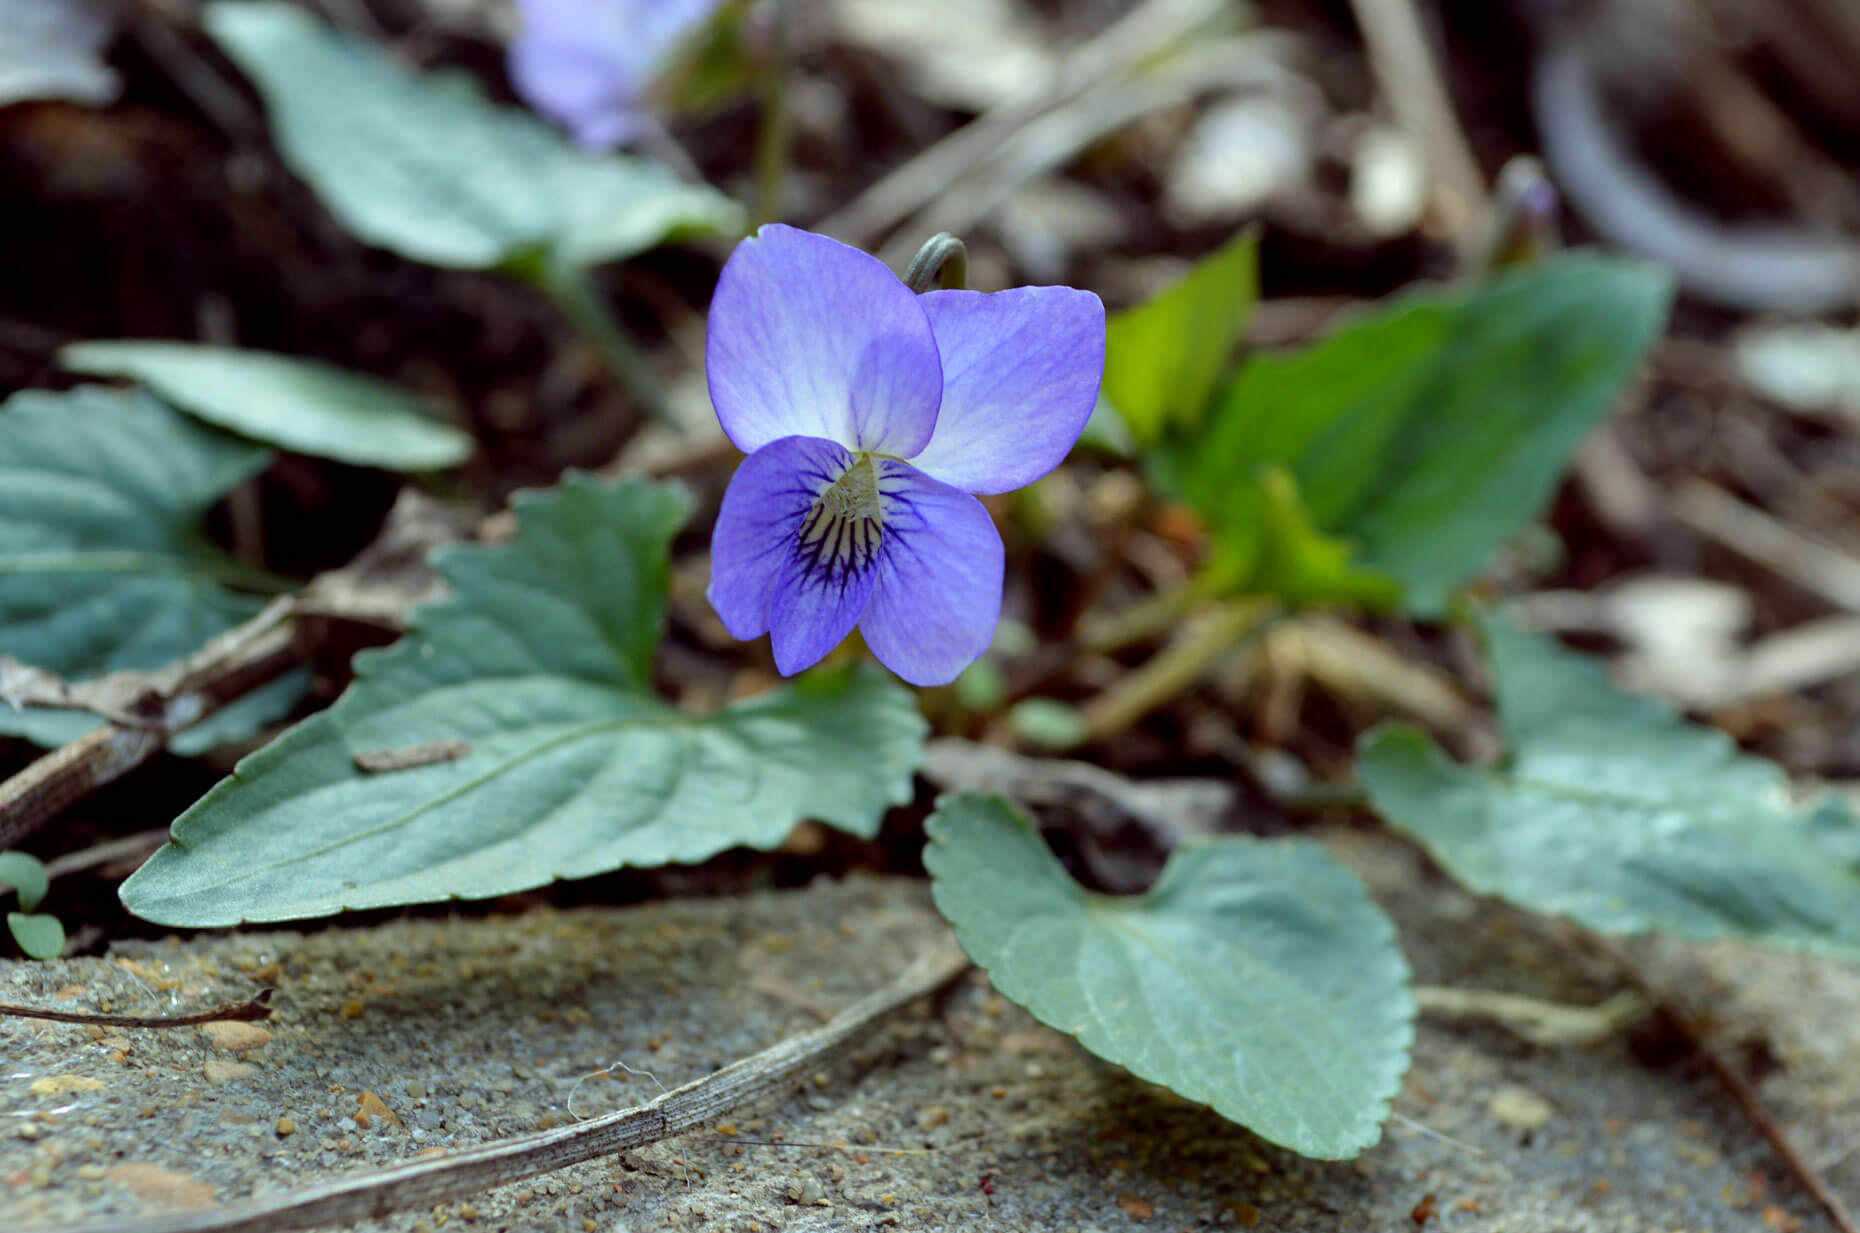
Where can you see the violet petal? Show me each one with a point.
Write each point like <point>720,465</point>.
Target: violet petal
<point>809,337</point>
<point>1021,371</point>
<point>587,64</point>
<point>768,499</point>
<point>937,597</point>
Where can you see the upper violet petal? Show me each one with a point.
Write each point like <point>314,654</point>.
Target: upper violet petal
<point>937,597</point>
<point>1021,371</point>
<point>809,337</point>
<point>767,501</point>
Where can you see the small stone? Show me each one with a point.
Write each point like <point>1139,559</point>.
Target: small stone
<point>90,1172</point>
<point>63,1085</point>
<point>233,1036</point>
<point>806,1189</point>
<point>1520,1108</point>
<point>467,1212</point>
<point>374,1109</point>
<point>1134,1207</point>
<point>155,1184</point>
<point>931,1116</point>
<point>286,1127</point>
<point>352,1009</point>
<point>218,1070</point>
<point>416,1090</point>
<point>1242,1213</point>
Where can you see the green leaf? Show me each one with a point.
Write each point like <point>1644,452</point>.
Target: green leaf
<point>537,670</point>
<point>41,937</point>
<point>103,564</point>
<point>1611,810</point>
<point>26,875</point>
<point>1256,976</point>
<point>421,164</point>
<point>243,717</point>
<point>1164,357</point>
<point>1424,436</point>
<point>293,404</point>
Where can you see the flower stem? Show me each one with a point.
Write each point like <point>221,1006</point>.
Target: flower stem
<point>1147,617</point>
<point>1177,667</point>
<point>772,134</point>
<point>581,302</point>
<point>942,254</point>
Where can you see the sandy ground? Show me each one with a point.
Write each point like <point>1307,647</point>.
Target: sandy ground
<point>429,1034</point>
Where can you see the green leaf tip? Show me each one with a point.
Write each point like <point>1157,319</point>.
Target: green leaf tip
<point>294,404</point>
<point>1256,976</point>
<point>1612,810</point>
<point>1164,357</point>
<point>512,738</point>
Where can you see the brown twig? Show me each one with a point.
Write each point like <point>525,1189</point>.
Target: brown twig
<point>184,694</point>
<point>422,1183</point>
<point>1140,35</point>
<point>1740,1088</point>
<point>1410,79</point>
<point>249,1011</point>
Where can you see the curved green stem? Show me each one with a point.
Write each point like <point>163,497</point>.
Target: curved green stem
<point>1179,666</point>
<point>942,254</point>
<point>772,135</point>
<point>574,292</point>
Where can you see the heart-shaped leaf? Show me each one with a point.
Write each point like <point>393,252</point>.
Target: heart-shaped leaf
<point>293,404</point>
<point>1613,811</point>
<point>1256,976</point>
<point>421,164</point>
<point>528,742</point>
<point>103,564</point>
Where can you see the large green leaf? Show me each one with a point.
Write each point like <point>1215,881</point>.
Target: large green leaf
<point>294,404</point>
<point>537,669</point>
<point>1255,976</point>
<point>422,164</point>
<point>1164,357</point>
<point>1426,434</point>
<point>1613,811</point>
<point>103,565</point>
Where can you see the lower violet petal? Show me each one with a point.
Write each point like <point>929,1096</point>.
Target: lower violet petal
<point>937,597</point>
<point>832,562</point>
<point>769,498</point>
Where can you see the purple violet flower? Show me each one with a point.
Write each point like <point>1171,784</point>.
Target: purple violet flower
<point>587,64</point>
<point>870,415</point>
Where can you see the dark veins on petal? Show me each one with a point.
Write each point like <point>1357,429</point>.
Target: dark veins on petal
<point>839,538</point>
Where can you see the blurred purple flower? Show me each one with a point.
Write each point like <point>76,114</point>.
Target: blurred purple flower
<point>830,374</point>
<point>587,64</point>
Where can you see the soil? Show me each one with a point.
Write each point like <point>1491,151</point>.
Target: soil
<point>445,1032</point>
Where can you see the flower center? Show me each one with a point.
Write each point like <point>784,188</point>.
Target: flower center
<point>839,536</point>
